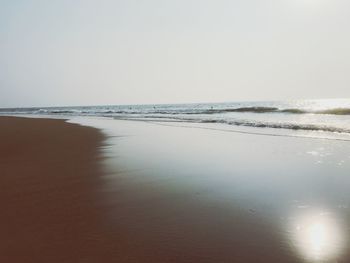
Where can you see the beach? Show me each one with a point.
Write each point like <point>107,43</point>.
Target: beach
<point>50,210</point>
<point>126,191</point>
<point>175,131</point>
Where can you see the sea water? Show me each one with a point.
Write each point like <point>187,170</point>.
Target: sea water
<point>321,118</point>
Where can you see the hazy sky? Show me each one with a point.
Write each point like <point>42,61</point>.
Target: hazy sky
<point>70,52</point>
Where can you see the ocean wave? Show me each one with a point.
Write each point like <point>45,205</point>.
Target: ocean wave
<point>294,111</point>
<point>290,126</point>
<point>246,123</point>
<point>177,111</point>
<point>335,111</point>
<point>58,111</point>
<point>244,109</point>
<point>260,110</point>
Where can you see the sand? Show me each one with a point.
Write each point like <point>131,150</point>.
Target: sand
<point>153,194</point>
<point>49,193</point>
<point>199,195</point>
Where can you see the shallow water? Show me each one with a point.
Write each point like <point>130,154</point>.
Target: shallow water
<point>206,195</point>
<point>326,117</point>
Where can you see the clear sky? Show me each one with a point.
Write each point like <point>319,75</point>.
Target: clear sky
<point>71,52</point>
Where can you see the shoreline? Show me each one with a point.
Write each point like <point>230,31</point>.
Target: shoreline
<point>156,194</point>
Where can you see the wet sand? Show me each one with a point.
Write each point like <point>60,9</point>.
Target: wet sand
<point>55,209</point>
<point>199,195</point>
<point>69,194</point>
<point>49,193</point>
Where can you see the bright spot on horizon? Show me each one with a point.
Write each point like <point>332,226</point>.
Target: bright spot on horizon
<point>317,237</point>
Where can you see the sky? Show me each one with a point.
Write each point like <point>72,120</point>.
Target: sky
<point>85,52</point>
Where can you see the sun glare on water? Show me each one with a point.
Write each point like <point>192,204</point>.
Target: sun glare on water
<point>317,237</point>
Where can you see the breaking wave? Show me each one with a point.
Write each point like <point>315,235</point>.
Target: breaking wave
<point>336,111</point>
<point>290,126</point>
<point>324,116</point>
<point>187,111</point>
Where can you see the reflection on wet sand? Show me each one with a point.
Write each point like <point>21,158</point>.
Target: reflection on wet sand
<point>317,236</point>
<point>209,196</point>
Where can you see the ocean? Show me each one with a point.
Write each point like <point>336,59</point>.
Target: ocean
<point>320,118</point>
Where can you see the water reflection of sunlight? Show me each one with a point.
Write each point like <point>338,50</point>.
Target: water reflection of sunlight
<point>317,237</point>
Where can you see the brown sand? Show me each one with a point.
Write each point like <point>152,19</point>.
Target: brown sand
<point>48,192</point>
<point>53,208</point>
